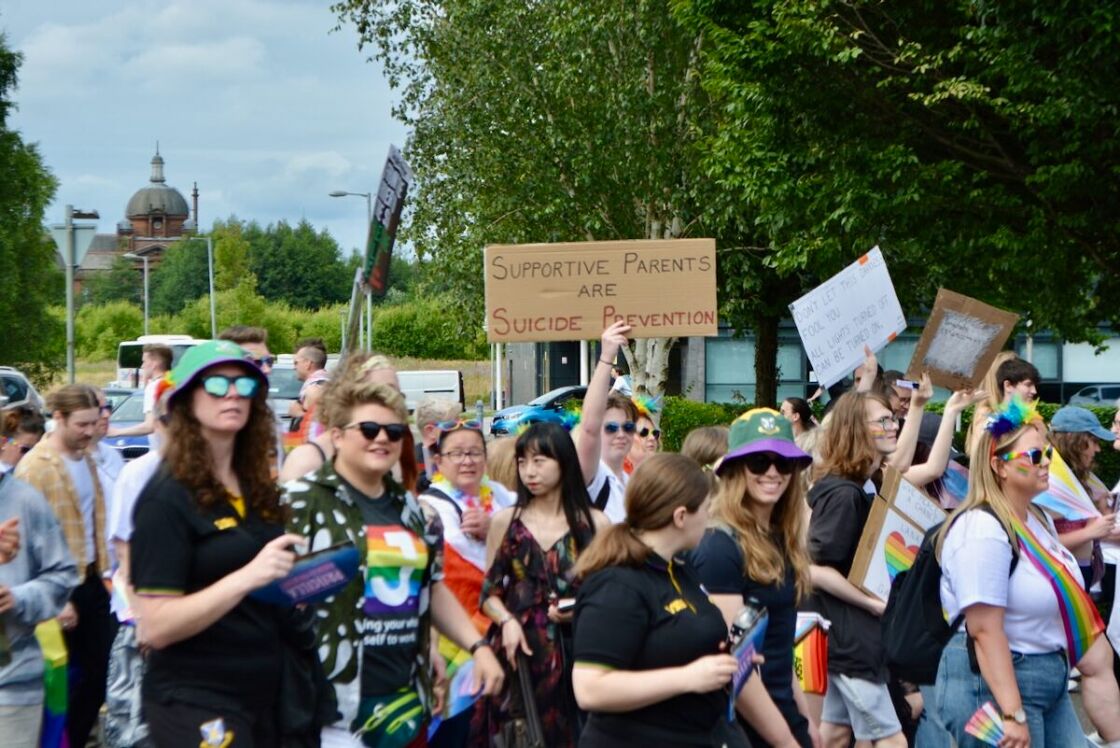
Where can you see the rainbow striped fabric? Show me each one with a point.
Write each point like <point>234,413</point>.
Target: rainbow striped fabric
<point>1080,618</point>
<point>1066,497</point>
<point>986,724</point>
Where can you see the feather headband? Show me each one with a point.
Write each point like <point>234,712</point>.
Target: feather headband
<point>1009,418</point>
<point>647,406</point>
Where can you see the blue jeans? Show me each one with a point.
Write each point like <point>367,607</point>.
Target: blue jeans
<point>1042,681</point>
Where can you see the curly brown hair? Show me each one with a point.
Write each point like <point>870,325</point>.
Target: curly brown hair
<point>188,456</point>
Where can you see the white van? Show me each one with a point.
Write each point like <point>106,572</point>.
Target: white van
<point>446,384</point>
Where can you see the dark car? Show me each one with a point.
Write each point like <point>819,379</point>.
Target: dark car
<point>129,412</point>
<point>548,407</point>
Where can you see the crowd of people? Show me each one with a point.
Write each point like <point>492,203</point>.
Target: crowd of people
<point>573,584</point>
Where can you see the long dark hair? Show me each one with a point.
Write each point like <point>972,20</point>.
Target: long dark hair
<point>188,456</point>
<point>801,407</point>
<point>553,441</point>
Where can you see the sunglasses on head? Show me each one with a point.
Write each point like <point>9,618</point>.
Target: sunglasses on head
<point>460,423</point>
<point>370,429</point>
<point>612,427</point>
<point>218,385</point>
<point>1034,454</point>
<point>264,361</point>
<point>645,431</point>
<point>759,463</point>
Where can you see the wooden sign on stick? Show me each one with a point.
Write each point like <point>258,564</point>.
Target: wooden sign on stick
<point>661,288</point>
<point>899,519</point>
<point>960,341</point>
<point>857,307</point>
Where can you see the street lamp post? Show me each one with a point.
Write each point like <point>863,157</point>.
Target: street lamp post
<point>70,262</point>
<point>133,256</point>
<point>210,273</point>
<point>369,221</point>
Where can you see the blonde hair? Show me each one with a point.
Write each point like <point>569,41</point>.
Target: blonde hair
<point>501,462</point>
<point>766,549</point>
<point>436,409</point>
<point>706,444</point>
<point>662,483</point>
<point>343,395</point>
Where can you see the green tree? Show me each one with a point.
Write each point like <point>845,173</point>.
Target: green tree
<point>231,254</point>
<point>123,281</point>
<point>561,121</point>
<point>182,277</point>
<point>31,279</point>
<point>298,265</point>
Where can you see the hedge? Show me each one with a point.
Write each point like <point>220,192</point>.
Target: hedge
<point>681,416</point>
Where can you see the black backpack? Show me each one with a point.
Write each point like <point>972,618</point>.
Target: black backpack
<point>914,628</point>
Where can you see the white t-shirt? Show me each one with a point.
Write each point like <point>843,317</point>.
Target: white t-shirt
<point>109,465</point>
<point>131,481</point>
<point>974,564</point>
<point>471,549</point>
<point>149,406</point>
<point>83,479</point>
<point>616,500</point>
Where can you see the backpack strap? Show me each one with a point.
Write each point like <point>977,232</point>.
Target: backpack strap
<point>600,501</point>
<point>435,493</point>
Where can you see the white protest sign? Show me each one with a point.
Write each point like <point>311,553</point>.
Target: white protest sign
<point>857,307</point>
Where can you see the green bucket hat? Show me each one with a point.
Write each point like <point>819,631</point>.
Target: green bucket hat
<point>204,356</point>
<point>762,430</point>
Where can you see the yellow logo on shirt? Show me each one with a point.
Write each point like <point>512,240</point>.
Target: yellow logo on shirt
<point>215,734</point>
<point>676,606</point>
<point>224,523</point>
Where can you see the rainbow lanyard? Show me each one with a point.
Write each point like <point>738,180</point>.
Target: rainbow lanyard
<point>1080,619</point>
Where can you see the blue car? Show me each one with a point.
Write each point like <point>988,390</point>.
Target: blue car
<point>548,407</point>
<point>128,412</point>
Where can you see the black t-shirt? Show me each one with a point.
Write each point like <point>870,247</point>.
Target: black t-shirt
<point>397,569</point>
<point>631,618</point>
<point>179,548</point>
<point>840,508</point>
<point>719,566</point>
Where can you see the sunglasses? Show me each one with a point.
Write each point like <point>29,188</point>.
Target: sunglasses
<point>645,431</point>
<point>6,440</point>
<point>218,385</point>
<point>1035,455</point>
<point>264,361</point>
<point>460,423</point>
<point>370,429</point>
<point>612,427</point>
<point>759,463</point>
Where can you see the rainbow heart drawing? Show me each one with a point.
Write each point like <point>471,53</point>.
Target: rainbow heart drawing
<point>899,556</point>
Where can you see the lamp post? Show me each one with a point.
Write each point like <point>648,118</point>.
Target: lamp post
<point>144,258</point>
<point>369,221</point>
<point>69,260</point>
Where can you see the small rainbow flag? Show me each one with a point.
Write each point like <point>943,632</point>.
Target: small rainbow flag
<point>986,725</point>
<point>1066,497</point>
<point>1080,619</point>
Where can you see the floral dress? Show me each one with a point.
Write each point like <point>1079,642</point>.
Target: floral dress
<point>528,578</point>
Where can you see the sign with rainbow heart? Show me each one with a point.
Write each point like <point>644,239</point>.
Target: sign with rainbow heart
<point>899,517</point>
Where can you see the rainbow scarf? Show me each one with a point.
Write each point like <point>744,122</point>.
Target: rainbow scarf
<point>1080,619</point>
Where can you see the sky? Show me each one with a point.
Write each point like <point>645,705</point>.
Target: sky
<point>257,101</point>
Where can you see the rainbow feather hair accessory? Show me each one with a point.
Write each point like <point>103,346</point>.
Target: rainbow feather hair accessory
<point>986,724</point>
<point>647,406</point>
<point>1080,619</point>
<point>1010,418</point>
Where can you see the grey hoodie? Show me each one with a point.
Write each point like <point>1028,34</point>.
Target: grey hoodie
<point>41,577</point>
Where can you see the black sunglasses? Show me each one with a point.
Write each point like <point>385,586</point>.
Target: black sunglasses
<point>759,463</point>
<point>612,427</point>
<point>370,430</point>
<point>645,431</point>
<point>264,361</point>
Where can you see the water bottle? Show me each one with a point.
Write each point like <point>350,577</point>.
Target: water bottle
<point>745,621</point>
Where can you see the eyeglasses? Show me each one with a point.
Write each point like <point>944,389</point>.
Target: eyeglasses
<point>645,431</point>
<point>461,423</point>
<point>612,427</point>
<point>885,422</point>
<point>264,361</point>
<point>106,409</point>
<point>759,463</point>
<point>474,455</point>
<point>1034,454</point>
<point>370,430</point>
<point>218,385</point>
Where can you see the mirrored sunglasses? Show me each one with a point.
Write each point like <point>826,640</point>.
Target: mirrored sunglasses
<point>1034,454</point>
<point>612,427</point>
<point>370,429</point>
<point>218,385</point>
<point>461,423</point>
<point>759,463</point>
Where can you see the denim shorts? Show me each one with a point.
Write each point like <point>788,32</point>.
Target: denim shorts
<point>1042,680</point>
<point>863,705</point>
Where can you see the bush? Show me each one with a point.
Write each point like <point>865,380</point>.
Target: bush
<point>422,328</point>
<point>682,415</point>
<point>325,323</point>
<point>99,328</point>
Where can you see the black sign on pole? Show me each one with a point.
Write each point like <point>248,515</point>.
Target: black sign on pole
<point>395,181</point>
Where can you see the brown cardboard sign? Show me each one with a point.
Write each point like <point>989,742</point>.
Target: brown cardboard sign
<point>572,291</point>
<point>960,341</point>
<point>899,518</point>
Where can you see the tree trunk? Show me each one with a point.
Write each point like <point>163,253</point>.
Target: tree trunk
<point>766,360</point>
<point>648,359</point>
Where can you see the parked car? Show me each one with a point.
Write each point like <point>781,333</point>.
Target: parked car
<point>129,413</point>
<point>283,388</point>
<point>16,390</point>
<point>117,395</point>
<point>1097,394</point>
<point>548,407</point>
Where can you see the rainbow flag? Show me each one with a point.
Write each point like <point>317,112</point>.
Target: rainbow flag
<point>55,660</point>
<point>986,724</point>
<point>1066,497</point>
<point>1080,619</point>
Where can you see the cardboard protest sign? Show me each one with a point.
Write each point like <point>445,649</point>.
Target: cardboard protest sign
<point>854,308</point>
<point>661,288</point>
<point>899,518</point>
<point>960,341</point>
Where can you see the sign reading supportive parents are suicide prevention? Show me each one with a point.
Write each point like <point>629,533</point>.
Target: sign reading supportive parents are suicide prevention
<point>857,307</point>
<point>661,288</point>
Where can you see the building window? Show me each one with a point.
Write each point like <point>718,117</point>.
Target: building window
<point>157,225</point>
